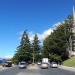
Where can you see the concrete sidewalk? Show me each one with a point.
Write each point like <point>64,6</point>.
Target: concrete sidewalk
<point>67,68</point>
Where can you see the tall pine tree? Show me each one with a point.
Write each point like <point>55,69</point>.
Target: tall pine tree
<point>36,48</point>
<point>23,52</point>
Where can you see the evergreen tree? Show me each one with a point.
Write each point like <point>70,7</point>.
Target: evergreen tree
<point>23,52</point>
<point>36,48</point>
<point>57,42</point>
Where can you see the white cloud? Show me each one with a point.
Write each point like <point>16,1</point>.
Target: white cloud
<point>46,33</point>
<point>55,25</point>
<point>43,35</point>
<point>8,56</point>
<point>31,35</point>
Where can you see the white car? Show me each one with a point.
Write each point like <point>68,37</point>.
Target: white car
<point>53,65</point>
<point>22,65</point>
<point>44,65</point>
<point>39,63</point>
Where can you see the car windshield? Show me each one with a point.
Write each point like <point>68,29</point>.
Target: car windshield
<point>44,63</point>
<point>22,63</point>
<point>54,63</point>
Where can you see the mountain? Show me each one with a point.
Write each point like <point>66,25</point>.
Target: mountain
<point>2,60</point>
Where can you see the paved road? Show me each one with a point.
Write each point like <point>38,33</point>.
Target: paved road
<point>50,71</point>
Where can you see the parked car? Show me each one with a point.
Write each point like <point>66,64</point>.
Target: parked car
<point>7,64</point>
<point>22,64</point>
<point>39,63</point>
<point>54,64</point>
<point>44,66</point>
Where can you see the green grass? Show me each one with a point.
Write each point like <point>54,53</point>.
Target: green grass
<point>70,62</point>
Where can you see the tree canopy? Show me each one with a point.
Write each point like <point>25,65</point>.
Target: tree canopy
<point>57,42</point>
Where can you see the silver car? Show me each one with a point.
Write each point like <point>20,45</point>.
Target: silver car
<point>44,65</point>
<point>22,64</point>
<point>53,64</point>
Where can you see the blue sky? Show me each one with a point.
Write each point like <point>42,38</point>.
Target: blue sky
<point>37,16</point>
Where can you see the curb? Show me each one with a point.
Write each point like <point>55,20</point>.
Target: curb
<point>67,68</point>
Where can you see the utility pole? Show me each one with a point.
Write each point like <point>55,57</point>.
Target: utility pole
<point>33,55</point>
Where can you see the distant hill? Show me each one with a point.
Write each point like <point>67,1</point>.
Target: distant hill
<point>70,62</point>
<point>2,60</point>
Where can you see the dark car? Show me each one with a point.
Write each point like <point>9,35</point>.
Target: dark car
<point>7,64</point>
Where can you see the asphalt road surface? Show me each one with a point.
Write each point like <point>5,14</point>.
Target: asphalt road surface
<point>50,71</point>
